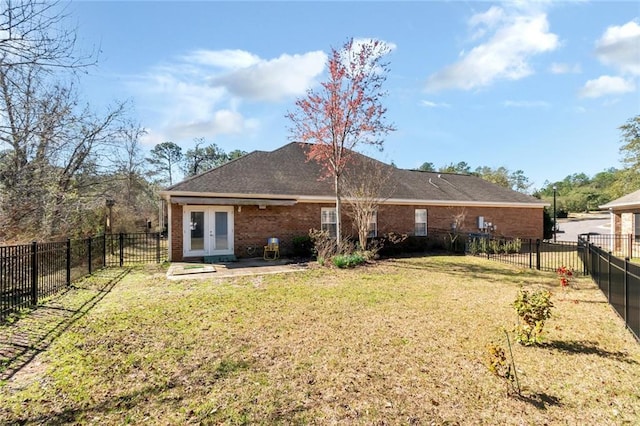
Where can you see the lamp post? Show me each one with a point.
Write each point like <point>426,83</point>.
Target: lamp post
<point>109,228</point>
<point>555,219</point>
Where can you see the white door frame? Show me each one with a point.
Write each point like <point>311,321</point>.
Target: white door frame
<point>208,231</point>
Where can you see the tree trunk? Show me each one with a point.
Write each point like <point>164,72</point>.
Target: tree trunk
<point>338,212</point>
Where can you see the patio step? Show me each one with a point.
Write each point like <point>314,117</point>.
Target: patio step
<point>220,258</point>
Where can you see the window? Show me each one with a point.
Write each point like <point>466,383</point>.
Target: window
<point>328,221</point>
<point>421,222</point>
<point>373,225</point>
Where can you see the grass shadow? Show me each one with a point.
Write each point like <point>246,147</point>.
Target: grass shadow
<point>540,400</point>
<point>72,415</point>
<point>578,347</point>
<point>486,271</point>
<point>23,340</point>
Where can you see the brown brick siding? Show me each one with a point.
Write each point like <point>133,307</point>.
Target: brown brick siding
<point>175,232</point>
<point>252,226</point>
<point>512,222</point>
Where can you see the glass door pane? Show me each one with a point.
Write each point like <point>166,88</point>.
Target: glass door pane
<point>196,225</point>
<point>221,231</point>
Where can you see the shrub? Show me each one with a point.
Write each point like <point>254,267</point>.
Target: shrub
<point>302,246</point>
<point>348,260</point>
<point>494,246</point>
<point>454,243</point>
<point>498,364</point>
<point>533,310</point>
<point>484,245</point>
<point>324,247</point>
<point>565,275</point>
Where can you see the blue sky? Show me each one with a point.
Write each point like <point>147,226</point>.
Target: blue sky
<point>537,86</point>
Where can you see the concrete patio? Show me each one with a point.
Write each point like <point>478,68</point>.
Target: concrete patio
<point>242,267</point>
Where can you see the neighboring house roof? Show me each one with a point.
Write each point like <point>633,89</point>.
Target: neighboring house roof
<point>626,201</point>
<point>287,174</point>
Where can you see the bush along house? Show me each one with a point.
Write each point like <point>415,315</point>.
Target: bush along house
<point>230,211</point>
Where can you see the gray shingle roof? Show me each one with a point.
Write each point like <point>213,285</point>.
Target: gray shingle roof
<point>286,172</point>
<point>629,200</point>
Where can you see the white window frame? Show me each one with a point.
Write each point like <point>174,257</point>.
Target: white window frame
<point>326,214</point>
<point>372,226</point>
<point>419,221</point>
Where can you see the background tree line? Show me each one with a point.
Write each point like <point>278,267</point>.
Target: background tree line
<point>577,192</point>
<point>167,156</point>
<point>62,159</point>
<point>500,175</point>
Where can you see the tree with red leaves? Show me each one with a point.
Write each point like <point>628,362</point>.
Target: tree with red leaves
<point>346,111</point>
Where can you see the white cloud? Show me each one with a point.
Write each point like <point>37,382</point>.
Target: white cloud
<point>562,68</point>
<point>619,47</point>
<point>513,39</point>
<point>481,22</point>
<point>430,104</point>
<point>273,80</point>
<point>202,93</point>
<point>526,104</point>
<point>223,58</point>
<point>220,122</point>
<point>375,51</point>
<point>606,85</point>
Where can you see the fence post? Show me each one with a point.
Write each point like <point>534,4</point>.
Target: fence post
<point>157,247</point>
<point>488,249</point>
<point>630,246</point>
<point>609,277</point>
<point>68,261</point>
<point>626,291</point>
<point>34,273</point>
<point>530,254</point>
<point>121,244</point>
<point>585,257</point>
<point>538,254</point>
<point>89,254</point>
<point>104,250</point>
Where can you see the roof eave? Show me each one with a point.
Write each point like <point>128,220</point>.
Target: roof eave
<point>331,199</point>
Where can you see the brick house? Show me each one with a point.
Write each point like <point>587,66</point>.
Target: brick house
<point>625,214</point>
<point>231,210</point>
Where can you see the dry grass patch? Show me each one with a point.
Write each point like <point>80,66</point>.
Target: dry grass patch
<point>400,342</point>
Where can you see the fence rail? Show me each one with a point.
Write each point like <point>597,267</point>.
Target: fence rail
<point>621,245</point>
<point>617,278</point>
<point>31,272</point>
<point>527,253</point>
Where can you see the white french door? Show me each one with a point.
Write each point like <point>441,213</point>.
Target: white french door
<point>207,230</point>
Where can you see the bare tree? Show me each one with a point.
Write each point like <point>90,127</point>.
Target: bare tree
<point>36,33</point>
<point>346,112</point>
<point>51,151</point>
<point>366,184</point>
<point>129,160</point>
<point>54,151</point>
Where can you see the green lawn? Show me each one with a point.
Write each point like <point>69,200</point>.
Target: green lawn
<point>399,342</point>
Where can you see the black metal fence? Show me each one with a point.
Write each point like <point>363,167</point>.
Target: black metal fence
<point>618,279</point>
<point>527,253</point>
<point>31,272</point>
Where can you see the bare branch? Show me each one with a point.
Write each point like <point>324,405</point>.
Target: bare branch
<point>35,33</point>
